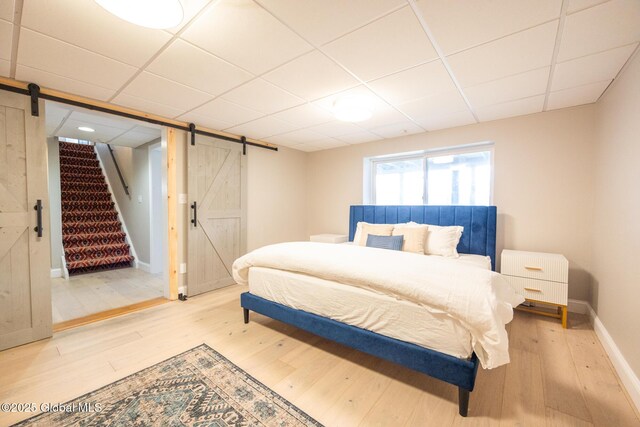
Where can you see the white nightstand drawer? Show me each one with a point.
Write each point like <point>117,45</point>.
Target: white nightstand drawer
<point>540,290</point>
<point>534,265</point>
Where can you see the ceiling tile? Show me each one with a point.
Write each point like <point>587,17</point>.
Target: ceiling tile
<point>323,21</point>
<point>305,115</point>
<point>6,10</point>
<point>586,94</point>
<point>311,76</point>
<point>262,96</point>
<point>86,24</point>
<point>136,137</point>
<point>162,91</point>
<point>460,25</point>
<point>418,82</point>
<point>577,5</point>
<point>208,121</point>
<point>99,119</point>
<point>194,67</point>
<point>63,84</point>
<point>515,54</point>
<point>226,111</point>
<point>336,128</point>
<point>102,133</point>
<point>509,88</point>
<point>246,35</point>
<point>5,68</point>
<point>325,144</point>
<point>261,128</point>
<point>511,109</point>
<point>444,121</point>
<point>359,137</point>
<point>296,137</point>
<point>608,25</point>
<point>360,92</point>
<point>593,68</point>
<point>191,8</point>
<point>46,53</point>
<point>308,147</point>
<point>55,114</point>
<point>6,35</point>
<point>397,129</point>
<point>388,45</point>
<point>146,106</point>
<point>440,104</point>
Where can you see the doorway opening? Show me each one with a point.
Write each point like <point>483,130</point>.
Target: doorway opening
<point>107,190</point>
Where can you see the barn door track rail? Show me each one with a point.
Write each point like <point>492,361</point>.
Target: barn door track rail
<point>35,93</point>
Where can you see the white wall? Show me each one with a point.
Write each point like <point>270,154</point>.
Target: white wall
<point>543,173</point>
<point>616,226</point>
<point>134,165</point>
<point>55,208</point>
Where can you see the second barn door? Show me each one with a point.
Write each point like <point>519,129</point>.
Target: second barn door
<point>217,200</point>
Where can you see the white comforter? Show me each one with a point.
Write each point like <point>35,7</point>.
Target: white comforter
<point>481,300</point>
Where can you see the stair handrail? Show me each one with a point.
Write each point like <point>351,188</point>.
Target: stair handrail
<point>115,162</point>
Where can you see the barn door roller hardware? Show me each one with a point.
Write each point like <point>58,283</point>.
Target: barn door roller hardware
<point>33,90</point>
<point>192,129</point>
<point>34,93</point>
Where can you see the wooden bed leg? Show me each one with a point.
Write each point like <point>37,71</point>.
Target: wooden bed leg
<point>463,401</point>
<point>246,315</point>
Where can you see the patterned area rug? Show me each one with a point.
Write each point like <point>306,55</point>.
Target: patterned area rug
<point>196,388</point>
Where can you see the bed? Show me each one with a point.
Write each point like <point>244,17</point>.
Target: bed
<point>392,327</point>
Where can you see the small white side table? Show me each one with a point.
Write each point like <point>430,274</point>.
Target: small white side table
<point>538,277</point>
<point>330,238</point>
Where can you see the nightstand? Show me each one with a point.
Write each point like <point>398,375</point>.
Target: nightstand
<point>330,238</point>
<point>540,278</point>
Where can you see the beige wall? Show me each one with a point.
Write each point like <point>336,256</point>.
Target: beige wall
<point>277,201</point>
<point>543,182</point>
<point>616,227</point>
<point>134,165</point>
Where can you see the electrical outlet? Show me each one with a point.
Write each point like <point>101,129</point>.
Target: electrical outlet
<point>182,198</point>
<point>183,268</point>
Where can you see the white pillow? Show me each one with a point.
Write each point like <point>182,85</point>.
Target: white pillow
<point>414,237</point>
<point>443,240</point>
<point>363,229</point>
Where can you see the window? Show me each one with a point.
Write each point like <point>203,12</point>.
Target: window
<point>441,177</point>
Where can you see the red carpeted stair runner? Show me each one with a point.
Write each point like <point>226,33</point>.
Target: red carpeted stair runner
<point>92,234</point>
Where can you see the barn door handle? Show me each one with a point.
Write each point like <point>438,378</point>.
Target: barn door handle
<point>194,221</point>
<point>38,209</point>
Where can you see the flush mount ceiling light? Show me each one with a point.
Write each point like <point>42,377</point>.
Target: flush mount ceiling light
<point>352,109</point>
<point>160,14</point>
<point>86,129</point>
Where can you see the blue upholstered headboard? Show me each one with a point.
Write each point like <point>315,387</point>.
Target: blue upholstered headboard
<point>479,222</point>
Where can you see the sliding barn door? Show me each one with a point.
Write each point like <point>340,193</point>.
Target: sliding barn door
<point>218,213</point>
<point>25,263</point>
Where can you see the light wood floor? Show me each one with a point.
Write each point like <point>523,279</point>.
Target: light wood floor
<point>86,294</point>
<point>557,377</point>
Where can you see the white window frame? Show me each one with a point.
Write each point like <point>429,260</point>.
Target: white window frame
<point>371,163</point>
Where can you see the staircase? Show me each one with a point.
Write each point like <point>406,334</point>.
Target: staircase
<point>92,234</point>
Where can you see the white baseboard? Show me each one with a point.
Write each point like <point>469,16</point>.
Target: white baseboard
<point>143,266</point>
<point>56,272</point>
<point>627,376</point>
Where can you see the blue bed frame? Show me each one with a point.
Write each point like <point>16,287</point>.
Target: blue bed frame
<point>479,237</point>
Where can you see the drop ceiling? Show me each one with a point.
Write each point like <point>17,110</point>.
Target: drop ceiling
<point>64,121</point>
<point>271,69</point>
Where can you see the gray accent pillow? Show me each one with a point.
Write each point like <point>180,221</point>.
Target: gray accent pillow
<point>385,242</point>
